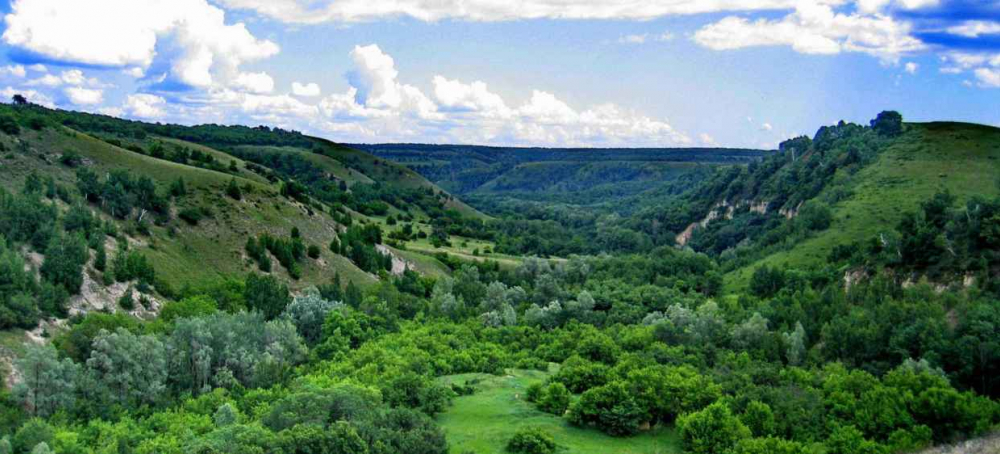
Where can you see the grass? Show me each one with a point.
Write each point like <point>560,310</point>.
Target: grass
<point>962,158</point>
<point>485,421</point>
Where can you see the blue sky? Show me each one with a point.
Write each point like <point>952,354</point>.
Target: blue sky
<point>535,72</point>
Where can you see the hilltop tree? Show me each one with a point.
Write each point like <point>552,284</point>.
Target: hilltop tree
<point>888,123</point>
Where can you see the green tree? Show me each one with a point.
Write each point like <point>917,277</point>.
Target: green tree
<point>888,123</point>
<point>267,295</point>
<point>712,430</point>
<point>47,384</point>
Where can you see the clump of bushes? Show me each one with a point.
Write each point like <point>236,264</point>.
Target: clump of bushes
<point>531,440</point>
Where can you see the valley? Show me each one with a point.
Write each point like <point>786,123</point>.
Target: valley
<point>231,289</point>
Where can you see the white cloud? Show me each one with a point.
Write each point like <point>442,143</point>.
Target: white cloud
<point>84,96</point>
<point>633,39</point>
<point>374,78</point>
<point>135,71</point>
<point>127,34</point>
<point>988,77</point>
<point>814,28</point>
<point>875,6</point>
<point>379,107</point>
<point>313,11</point>
<point>13,70</point>
<point>707,140</point>
<point>984,66</point>
<point>258,83</point>
<point>33,96</point>
<point>38,67</point>
<point>143,105</point>
<point>645,37</point>
<point>71,77</point>
<point>911,67</point>
<point>766,127</point>
<point>975,28</point>
<point>305,90</point>
<point>456,96</point>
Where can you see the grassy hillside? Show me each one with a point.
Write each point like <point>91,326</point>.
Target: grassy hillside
<point>207,159</point>
<point>483,422</point>
<point>961,158</point>
<point>188,254</point>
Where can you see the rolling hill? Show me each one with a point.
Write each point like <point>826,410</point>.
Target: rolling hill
<point>196,252</point>
<point>575,176</point>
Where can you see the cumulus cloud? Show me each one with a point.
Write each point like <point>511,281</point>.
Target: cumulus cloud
<point>984,66</point>
<point>128,34</point>
<point>988,77</point>
<point>257,83</point>
<point>814,28</point>
<point>33,96</point>
<point>313,11</point>
<point>911,67</point>
<point>84,96</point>
<point>975,28</point>
<point>13,70</point>
<point>476,97</point>
<point>377,106</point>
<point>874,6</point>
<point>143,105</point>
<point>305,90</point>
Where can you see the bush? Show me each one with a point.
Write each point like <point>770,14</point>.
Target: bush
<point>191,215</point>
<point>531,440</point>
<point>554,399</point>
<point>313,251</point>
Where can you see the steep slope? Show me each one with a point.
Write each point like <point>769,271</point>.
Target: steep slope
<point>183,253</point>
<point>204,236</point>
<point>961,158</point>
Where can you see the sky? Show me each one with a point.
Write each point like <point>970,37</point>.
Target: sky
<point>612,73</point>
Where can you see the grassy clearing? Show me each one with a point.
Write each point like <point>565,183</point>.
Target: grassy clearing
<point>962,158</point>
<point>483,422</point>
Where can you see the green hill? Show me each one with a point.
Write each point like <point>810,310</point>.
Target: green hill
<point>961,158</point>
<point>208,159</point>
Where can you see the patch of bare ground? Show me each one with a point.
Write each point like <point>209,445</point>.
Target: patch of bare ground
<point>989,444</point>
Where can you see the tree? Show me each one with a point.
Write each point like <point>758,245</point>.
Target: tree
<point>64,260</point>
<point>19,99</point>
<point>352,295</point>
<point>31,434</point>
<point>796,341</point>
<point>712,430</point>
<point>127,369</point>
<point>233,190</point>
<point>47,384</point>
<point>194,306</point>
<point>759,418</point>
<point>766,281</point>
<point>308,313</point>
<point>267,295</point>
<point>888,123</point>
<point>611,407</point>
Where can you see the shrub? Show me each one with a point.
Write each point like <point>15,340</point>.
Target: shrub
<point>191,215</point>
<point>531,440</point>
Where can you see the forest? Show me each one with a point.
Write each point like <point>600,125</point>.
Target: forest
<point>890,346</point>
